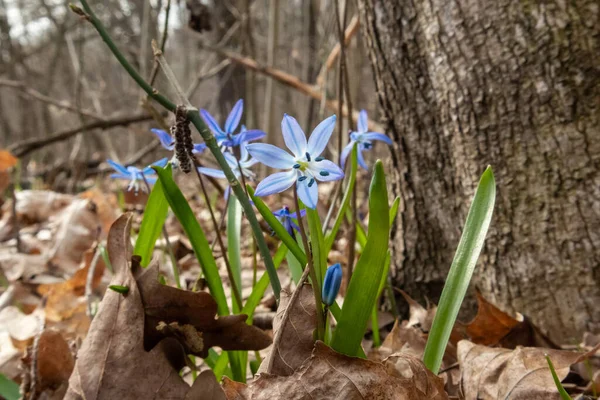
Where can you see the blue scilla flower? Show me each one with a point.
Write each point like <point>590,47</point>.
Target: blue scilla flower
<point>168,142</point>
<point>238,169</point>
<point>364,139</point>
<point>135,174</point>
<point>287,219</point>
<point>226,136</point>
<point>331,284</point>
<point>304,167</point>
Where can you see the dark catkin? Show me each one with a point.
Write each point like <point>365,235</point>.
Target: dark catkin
<point>183,139</point>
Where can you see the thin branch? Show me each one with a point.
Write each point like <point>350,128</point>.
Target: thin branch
<point>25,147</point>
<point>335,52</point>
<point>47,99</point>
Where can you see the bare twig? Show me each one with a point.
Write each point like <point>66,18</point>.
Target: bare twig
<point>25,147</point>
<point>158,55</point>
<point>286,316</point>
<point>163,42</point>
<point>47,99</point>
<point>351,30</point>
<point>271,46</point>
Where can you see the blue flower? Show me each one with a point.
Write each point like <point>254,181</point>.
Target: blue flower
<point>304,168</point>
<point>363,138</point>
<point>168,142</point>
<point>287,219</point>
<point>135,175</point>
<point>331,284</point>
<point>226,137</point>
<point>245,163</point>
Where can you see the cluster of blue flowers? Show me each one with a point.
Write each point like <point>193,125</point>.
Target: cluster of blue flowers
<point>304,167</point>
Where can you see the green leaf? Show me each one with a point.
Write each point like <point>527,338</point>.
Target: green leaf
<point>561,390</point>
<point>119,289</point>
<point>234,233</point>
<point>463,265</point>
<point>294,266</point>
<point>155,215</point>
<point>317,244</point>
<point>279,229</point>
<point>195,234</point>
<point>330,239</point>
<point>9,388</point>
<point>261,285</point>
<point>364,286</point>
<point>394,209</point>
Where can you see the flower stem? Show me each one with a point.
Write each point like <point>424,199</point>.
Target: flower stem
<point>311,271</point>
<point>194,117</point>
<point>234,289</point>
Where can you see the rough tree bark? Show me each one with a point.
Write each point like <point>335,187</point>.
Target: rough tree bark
<point>514,84</point>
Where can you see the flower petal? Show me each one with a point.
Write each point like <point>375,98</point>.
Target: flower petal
<point>320,136</point>
<point>120,176</point>
<point>333,172</point>
<point>293,135</point>
<point>212,124</point>
<point>270,155</point>
<point>215,173</point>
<point>361,160</point>
<point>363,121</point>
<point>377,136</point>
<point>308,194</point>
<point>198,148</point>
<point>276,183</point>
<point>151,180</point>
<point>248,136</point>
<point>233,119</point>
<point>346,152</point>
<point>118,167</point>
<point>165,139</point>
<point>302,214</point>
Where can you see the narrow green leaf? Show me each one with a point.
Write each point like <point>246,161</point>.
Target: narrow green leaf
<point>330,239</point>
<point>374,318</point>
<point>221,366</point>
<point>394,209</point>
<point>317,244</point>
<point>294,266</point>
<point>195,234</point>
<point>279,229</point>
<point>261,285</point>
<point>155,215</point>
<point>366,279</point>
<point>463,265</point>
<point>9,388</point>
<point>561,390</point>
<point>234,233</point>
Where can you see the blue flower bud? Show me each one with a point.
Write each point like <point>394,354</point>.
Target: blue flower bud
<point>331,284</point>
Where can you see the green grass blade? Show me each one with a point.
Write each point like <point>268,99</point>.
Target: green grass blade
<point>317,244</point>
<point>261,285</point>
<point>294,266</point>
<point>463,265</point>
<point>155,215</point>
<point>222,366</point>
<point>195,234</point>
<point>280,231</point>
<point>394,209</point>
<point>9,389</point>
<point>234,233</point>
<point>561,390</point>
<point>330,238</point>
<point>364,286</point>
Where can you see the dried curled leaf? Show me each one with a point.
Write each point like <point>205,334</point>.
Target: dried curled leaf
<point>495,373</point>
<point>297,333</point>
<point>330,375</point>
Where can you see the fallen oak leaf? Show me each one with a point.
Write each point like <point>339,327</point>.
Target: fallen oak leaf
<point>168,305</point>
<point>297,340</point>
<point>523,373</point>
<point>330,375</point>
<point>419,315</point>
<point>112,362</point>
<point>7,160</point>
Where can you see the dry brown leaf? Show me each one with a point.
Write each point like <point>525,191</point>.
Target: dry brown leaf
<point>112,362</point>
<point>206,387</point>
<point>106,204</point>
<point>7,160</point>
<point>9,356</point>
<point>166,304</point>
<point>492,326</point>
<point>419,315</point>
<point>330,375</point>
<point>54,364</point>
<point>297,339</point>
<point>65,298</point>
<point>21,327</point>
<point>520,374</point>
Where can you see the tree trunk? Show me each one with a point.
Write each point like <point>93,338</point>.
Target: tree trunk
<point>514,84</point>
